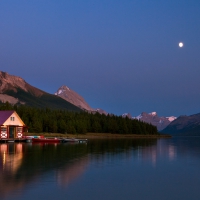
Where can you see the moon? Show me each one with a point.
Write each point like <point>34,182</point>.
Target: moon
<point>180,44</point>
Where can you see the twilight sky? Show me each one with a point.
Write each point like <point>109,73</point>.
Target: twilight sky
<point>121,56</point>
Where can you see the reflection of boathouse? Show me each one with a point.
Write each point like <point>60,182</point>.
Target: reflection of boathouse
<point>12,126</point>
<point>11,156</point>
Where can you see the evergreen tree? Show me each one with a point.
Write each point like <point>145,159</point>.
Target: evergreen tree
<point>62,121</point>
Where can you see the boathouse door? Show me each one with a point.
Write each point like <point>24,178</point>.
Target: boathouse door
<point>11,131</point>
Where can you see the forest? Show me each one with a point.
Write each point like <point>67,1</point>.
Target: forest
<point>40,120</point>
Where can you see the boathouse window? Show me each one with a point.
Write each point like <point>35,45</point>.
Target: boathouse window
<point>12,119</point>
<point>3,129</point>
<point>19,129</point>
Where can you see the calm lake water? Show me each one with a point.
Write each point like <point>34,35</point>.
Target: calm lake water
<point>102,169</point>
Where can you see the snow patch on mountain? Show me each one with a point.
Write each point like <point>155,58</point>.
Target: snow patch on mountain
<point>153,118</point>
<point>138,117</point>
<point>127,115</point>
<point>59,92</point>
<point>153,113</point>
<point>172,118</point>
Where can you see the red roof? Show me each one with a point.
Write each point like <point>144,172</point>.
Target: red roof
<point>4,115</point>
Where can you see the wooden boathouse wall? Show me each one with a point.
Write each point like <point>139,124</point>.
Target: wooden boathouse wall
<point>11,126</point>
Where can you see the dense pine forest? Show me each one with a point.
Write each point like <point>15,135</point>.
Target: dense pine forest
<point>62,121</point>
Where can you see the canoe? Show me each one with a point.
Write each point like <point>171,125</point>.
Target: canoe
<point>46,140</point>
<point>72,140</point>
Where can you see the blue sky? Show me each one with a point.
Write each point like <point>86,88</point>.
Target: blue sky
<point>121,56</point>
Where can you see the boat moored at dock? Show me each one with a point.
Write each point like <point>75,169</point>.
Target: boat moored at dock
<point>46,140</point>
<point>42,139</point>
<point>58,140</point>
<point>73,140</point>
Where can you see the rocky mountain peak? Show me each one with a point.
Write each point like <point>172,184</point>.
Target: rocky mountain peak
<point>73,97</point>
<point>172,118</point>
<point>14,83</point>
<point>184,125</point>
<point>10,82</point>
<point>153,113</point>
<point>62,90</point>
<point>154,119</point>
<point>127,115</point>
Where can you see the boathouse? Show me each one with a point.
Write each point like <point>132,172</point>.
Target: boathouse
<point>11,125</point>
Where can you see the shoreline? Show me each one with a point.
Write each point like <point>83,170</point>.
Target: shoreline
<point>100,135</point>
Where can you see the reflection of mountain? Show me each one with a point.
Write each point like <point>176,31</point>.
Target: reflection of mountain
<point>25,167</point>
<point>185,147</point>
<point>162,149</point>
<point>72,171</point>
<point>24,164</point>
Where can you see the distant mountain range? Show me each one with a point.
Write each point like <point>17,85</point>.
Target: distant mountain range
<point>184,125</point>
<point>16,90</point>
<point>153,118</point>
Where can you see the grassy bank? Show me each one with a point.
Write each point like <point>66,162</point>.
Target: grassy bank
<point>98,135</point>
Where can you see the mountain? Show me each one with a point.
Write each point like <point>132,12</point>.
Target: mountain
<point>16,90</point>
<point>74,98</point>
<point>184,125</point>
<point>154,119</point>
<point>127,115</point>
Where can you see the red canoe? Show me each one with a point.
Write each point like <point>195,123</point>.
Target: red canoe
<point>46,140</point>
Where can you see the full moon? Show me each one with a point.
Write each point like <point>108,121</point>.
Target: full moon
<point>180,44</point>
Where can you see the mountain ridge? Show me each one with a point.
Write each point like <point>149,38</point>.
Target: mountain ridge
<point>11,82</point>
<point>16,90</point>
<point>73,97</point>
<point>184,125</point>
<point>153,118</point>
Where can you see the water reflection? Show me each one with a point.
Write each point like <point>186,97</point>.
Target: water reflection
<point>161,149</point>
<point>11,157</point>
<point>22,164</point>
<point>69,173</point>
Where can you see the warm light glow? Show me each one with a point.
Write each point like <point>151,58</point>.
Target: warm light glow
<point>3,148</point>
<point>4,160</point>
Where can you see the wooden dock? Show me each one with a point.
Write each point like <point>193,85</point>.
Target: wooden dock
<point>46,140</point>
<point>57,140</point>
<point>5,140</point>
<point>73,140</point>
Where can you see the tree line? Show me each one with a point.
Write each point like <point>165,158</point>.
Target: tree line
<point>48,120</point>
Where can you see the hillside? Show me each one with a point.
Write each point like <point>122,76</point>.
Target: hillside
<point>15,90</point>
<point>152,118</point>
<point>184,125</point>
<point>76,99</point>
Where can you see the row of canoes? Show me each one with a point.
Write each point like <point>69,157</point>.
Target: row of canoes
<point>55,140</point>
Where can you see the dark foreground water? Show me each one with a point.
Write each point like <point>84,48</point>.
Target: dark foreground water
<point>102,169</point>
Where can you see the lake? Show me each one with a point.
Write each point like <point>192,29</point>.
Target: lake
<point>143,169</point>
